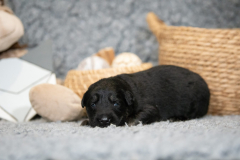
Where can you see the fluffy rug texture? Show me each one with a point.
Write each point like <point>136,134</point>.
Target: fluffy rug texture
<point>211,137</point>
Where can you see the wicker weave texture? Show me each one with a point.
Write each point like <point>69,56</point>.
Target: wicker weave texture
<point>79,81</point>
<point>213,53</point>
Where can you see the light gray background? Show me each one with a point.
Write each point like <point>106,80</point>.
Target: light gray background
<point>79,28</point>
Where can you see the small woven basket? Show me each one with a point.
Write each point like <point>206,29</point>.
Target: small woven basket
<point>213,53</point>
<point>79,81</point>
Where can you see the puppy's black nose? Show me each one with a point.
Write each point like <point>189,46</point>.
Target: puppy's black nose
<point>105,120</point>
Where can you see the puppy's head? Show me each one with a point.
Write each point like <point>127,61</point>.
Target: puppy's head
<point>108,101</point>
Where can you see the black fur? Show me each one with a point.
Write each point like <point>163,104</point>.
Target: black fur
<point>160,93</point>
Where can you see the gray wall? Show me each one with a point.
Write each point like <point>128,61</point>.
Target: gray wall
<point>80,28</point>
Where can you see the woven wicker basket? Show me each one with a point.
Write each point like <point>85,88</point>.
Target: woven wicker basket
<point>79,81</point>
<point>213,53</point>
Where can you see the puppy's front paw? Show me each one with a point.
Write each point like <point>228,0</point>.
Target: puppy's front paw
<point>85,123</point>
<point>135,123</point>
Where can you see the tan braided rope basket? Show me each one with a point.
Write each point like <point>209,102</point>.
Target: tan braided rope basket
<point>213,53</point>
<point>79,81</point>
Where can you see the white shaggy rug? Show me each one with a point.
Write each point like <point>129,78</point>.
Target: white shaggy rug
<point>211,137</point>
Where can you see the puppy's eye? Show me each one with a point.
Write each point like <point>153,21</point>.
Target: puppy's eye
<point>93,105</point>
<point>116,104</point>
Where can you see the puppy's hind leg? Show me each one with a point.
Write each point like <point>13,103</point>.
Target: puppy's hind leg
<point>148,115</point>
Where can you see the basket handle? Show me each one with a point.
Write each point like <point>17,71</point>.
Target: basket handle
<point>154,23</point>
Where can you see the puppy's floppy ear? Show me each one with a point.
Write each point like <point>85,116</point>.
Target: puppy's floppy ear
<point>84,99</point>
<point>129,97</point>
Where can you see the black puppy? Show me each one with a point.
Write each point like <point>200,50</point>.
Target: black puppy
<point>160,93</point>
